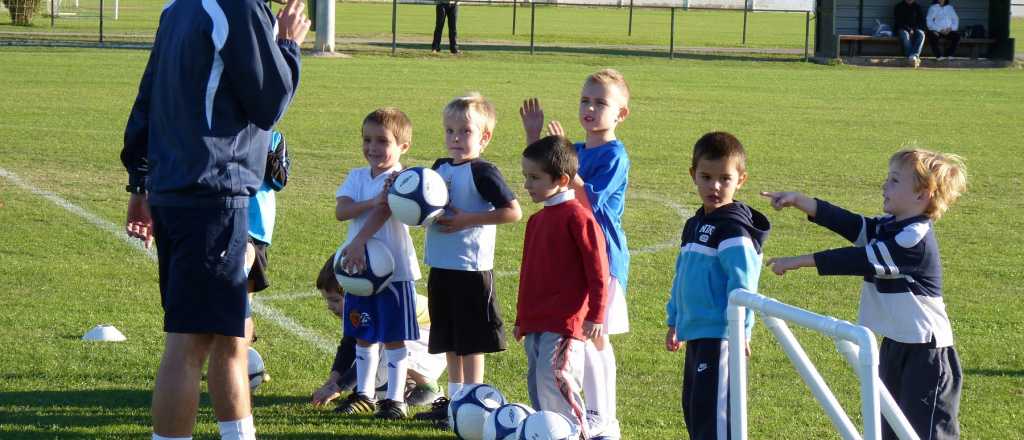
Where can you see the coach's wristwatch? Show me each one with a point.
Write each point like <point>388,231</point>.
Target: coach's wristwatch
<point>135,189</point>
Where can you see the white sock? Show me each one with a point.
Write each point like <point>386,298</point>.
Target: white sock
<point>367,359</point>
<point>610,373</point>
<point>453,388</point>
<point>398,362</point>
<point>160,437</point>
<point>237,430</point>
<point>595,387</point>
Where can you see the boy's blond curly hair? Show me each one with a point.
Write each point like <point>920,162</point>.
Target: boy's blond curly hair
<point>394,120</point>
<point>610,77</point>
<point>940,175</point>
<point>475,108</point>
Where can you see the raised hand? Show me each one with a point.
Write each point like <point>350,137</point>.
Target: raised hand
<point>533,119</point>
<point>292,23</point>
<point>555,129</point>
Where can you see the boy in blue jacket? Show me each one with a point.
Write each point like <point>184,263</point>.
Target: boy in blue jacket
<point>720,251</point>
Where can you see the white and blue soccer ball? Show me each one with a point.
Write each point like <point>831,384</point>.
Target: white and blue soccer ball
<point>417,196</point>
<point>503,422</point>
<point>469,409</point>
<point>380,266</point>
<point>257,370</point>
<point>547,425</point>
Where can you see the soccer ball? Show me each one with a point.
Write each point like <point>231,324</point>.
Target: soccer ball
<point>470,407</point>
<point>547,425</point>
<point>380,266</point>
<point>257,370</point>
<point>502,423</point>
<point>418,196</point>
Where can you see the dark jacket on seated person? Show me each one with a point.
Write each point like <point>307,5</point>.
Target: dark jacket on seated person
<point>909,17</point>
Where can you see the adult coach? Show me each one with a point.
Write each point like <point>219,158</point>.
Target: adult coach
<point>219,76</point>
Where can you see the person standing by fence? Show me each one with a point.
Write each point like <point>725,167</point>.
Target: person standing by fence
<point>449,9</point>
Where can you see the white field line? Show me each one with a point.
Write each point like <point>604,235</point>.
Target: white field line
<point>286,296</point>
<point>258,306</point>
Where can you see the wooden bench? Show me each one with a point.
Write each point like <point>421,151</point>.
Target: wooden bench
<point>855,43</point>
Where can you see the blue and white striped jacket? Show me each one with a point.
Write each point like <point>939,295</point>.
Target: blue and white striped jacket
<point>901,297</point>
<point>217,81</point>
<point>720,251</point>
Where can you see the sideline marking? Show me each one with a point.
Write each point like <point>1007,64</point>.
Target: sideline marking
<point>258,306</point>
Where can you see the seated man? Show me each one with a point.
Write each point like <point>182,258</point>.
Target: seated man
<point>909,27</point>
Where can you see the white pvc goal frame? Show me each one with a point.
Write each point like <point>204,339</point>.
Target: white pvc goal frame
<point>856,343</point>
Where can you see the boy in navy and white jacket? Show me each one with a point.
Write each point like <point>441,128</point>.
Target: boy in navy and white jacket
<point>901,298</point>
<point>721,251</point>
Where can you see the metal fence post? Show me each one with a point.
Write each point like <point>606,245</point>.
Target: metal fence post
<point>394,26</point>
<point>630,32</point>
<point>53,11</point>
<point>807,32</point>
<point>745,7</point>
<point>672,35</point>
<point>514,15</point>
<point>101,21</point>
<point>533,20</point>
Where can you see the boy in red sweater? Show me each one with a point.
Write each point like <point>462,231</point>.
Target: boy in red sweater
<point>562,281</point>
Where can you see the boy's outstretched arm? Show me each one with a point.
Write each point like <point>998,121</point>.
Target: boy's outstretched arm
<point>781,265</point>
<point>788,199</point>
<point>533,119</point>
<point>856,228</point>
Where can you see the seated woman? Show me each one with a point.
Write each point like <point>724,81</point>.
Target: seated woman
<point>943,25</point>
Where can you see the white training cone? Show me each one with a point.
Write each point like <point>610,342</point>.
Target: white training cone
<point>104,332</point>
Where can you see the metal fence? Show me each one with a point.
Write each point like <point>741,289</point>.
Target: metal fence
<point>671,37</point>
<point>134,21</point>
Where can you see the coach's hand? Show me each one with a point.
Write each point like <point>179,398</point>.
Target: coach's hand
<point>139,223</point>
<point>292,23</point>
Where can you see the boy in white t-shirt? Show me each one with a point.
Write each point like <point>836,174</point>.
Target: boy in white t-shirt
<point>388,317</point>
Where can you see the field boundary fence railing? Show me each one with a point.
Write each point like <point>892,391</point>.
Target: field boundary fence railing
<point>119,22</point>
<point>631,5</point>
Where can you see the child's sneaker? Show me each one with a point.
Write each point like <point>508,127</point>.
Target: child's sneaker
<point>419,395</point>
<point>356,403</point>
<point>391,410</point>
<point>438,410</point>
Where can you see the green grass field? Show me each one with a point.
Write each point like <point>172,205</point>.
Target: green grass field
<point>825,130</point>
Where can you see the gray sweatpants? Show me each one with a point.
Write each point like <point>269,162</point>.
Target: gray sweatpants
<point>555,375</point>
